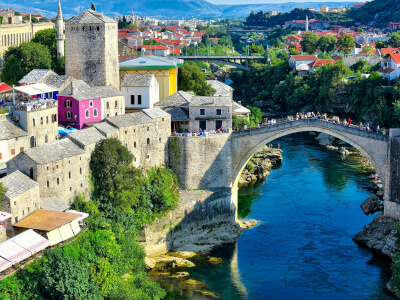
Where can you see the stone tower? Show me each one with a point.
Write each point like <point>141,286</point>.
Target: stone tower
<point>92,49</point>
<point>306,23</point>
<point>60,37</point>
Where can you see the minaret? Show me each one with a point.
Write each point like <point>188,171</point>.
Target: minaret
<point>60,37</point>
<point>306,23</point>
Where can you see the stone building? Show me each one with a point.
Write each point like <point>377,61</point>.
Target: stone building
<point>81,105</point>
<point>210,113</point>
<point>145,134</point>
<point>87,138</point>
<point>221,89</point>
<point>39,120</point>
<point>13,34</point>
<point>22,197</point>
<point>91,54</point>
<point>140,91</point>
<point>13,140</point>
<point>61,169</point>
<point>164,68</point>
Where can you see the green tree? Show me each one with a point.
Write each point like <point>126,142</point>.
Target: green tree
<point>30,55</point>
<point>164,29</point>
<point>293,51</point>
<point>255,115</point>
<point>191,79</point>
<point>160,189</point>
<point>114,177</point>
<point>326,43</point>
<point>47,37</point>
<point>394,40</point>
<point>92,6</point>
<point>206,39</point>
<point>62,277</point>
<point>132,26</point>
<point>381,44</point>
<point>309,42</point>
<point>345,44</point>
<point>3,191</point>
<point>12,72</point>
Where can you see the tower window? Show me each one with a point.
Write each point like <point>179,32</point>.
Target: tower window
<point>148,141</point>
<point>95,113</point>
<point>98,28</point>
<point>87,114</point>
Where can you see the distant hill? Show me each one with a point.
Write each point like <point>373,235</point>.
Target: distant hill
<point>157,8</point>
<point>378,13</point>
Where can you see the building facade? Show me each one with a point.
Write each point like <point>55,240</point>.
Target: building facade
<point>91,41</point>
<point>140,91</point>
<point>164,69</point>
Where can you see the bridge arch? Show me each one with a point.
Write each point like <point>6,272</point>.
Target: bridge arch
<point>245,144</point>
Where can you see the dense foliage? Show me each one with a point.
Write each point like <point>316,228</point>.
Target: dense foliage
<point>105,261</point>
<point>12,71</point>
<point>326,90</point>
<point>191,79</point>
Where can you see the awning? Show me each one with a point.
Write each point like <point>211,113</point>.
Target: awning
<point>35,89</point>
<point>4,216</point>
<point>31,241</point>
<point>82,214</point>
<point>4,264</point>
<point>13,252</point>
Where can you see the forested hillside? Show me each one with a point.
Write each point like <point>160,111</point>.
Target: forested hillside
<point>380,12</point>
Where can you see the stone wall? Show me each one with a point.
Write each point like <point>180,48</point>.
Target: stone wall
<point>394,171</point>
<point>351,59</point>
<point>201,162</point>
<point>210,117</point>
<point>203,220</point>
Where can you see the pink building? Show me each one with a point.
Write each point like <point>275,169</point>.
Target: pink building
<point>80,105</point>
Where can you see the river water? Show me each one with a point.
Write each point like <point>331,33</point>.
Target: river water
<point>308,210</point>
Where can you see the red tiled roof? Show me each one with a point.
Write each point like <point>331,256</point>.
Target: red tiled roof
<point>385,70</point>
<point>154,47</point>
<point>37,15</point>
<point>336,58</point>
<point>395,57</point>
<point>304,57</point>
<point>323,62</point>
<point>389,50</point>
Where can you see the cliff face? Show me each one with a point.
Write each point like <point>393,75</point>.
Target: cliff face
<point>202,221</point>
<point>259,166</point>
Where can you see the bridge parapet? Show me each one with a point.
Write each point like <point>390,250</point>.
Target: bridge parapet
<point>312,122</point>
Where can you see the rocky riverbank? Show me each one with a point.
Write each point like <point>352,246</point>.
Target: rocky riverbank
<point>260,164</point>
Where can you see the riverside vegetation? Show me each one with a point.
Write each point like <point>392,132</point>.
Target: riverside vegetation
<point>104,261</point>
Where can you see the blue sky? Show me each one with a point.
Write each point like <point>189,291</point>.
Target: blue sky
<point>271,1</point>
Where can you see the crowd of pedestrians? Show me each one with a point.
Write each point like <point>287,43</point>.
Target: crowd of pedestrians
<point>201,132</point>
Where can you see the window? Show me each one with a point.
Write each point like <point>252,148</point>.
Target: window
<point>33,142</point>
<point>90,103</point>
<point>33,122</point>
<point>139,99</point>
<point>58,180</point>
<point>48,184</point>
<point>108,105</point>
<point>41,120</point>
<point>87,114</point>
<point>69,161</point>
<point>95,113</point>
<point>68,103</point>
<point>47,120</point>
<point>90,28</point>
<point>148,141</point>
<point>159,140</point>
<point>126,132</point>
<point>202,112</point>
<point>80,171</point>
<point>12,151</point>
<point>108,115</point>
<point>133,99</point>
<point>31,173</point>
<point>68,115</point>
<point>46,139</point>
<point>28,210</point>
<point>1,157</point>
<point>70,189</point>
<point>55,116</point>
<point>148,128</point>
<point>219,112</point>
<point>69,174</point>
<point>116,104</point>
<point>98,28</point>
<point>15,203</point>
<point>126,145</point>
<point>23,212</point>
<point>20,150</point>
<point>51,95</point>
<point>16,219</point>
<point>116,113</point>
<point>134,144</point>
<point>163,119</point>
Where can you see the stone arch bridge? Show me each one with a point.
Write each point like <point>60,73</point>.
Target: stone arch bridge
<point>214,162</point>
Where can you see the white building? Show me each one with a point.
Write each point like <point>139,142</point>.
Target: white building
<point>390,66</point>
<point>140,91</point>
<point>221,89</point>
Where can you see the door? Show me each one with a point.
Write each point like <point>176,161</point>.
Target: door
<point>203,125</point>
<point>218,124</point>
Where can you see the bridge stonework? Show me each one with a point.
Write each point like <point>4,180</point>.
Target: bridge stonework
<point>215,161</point>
